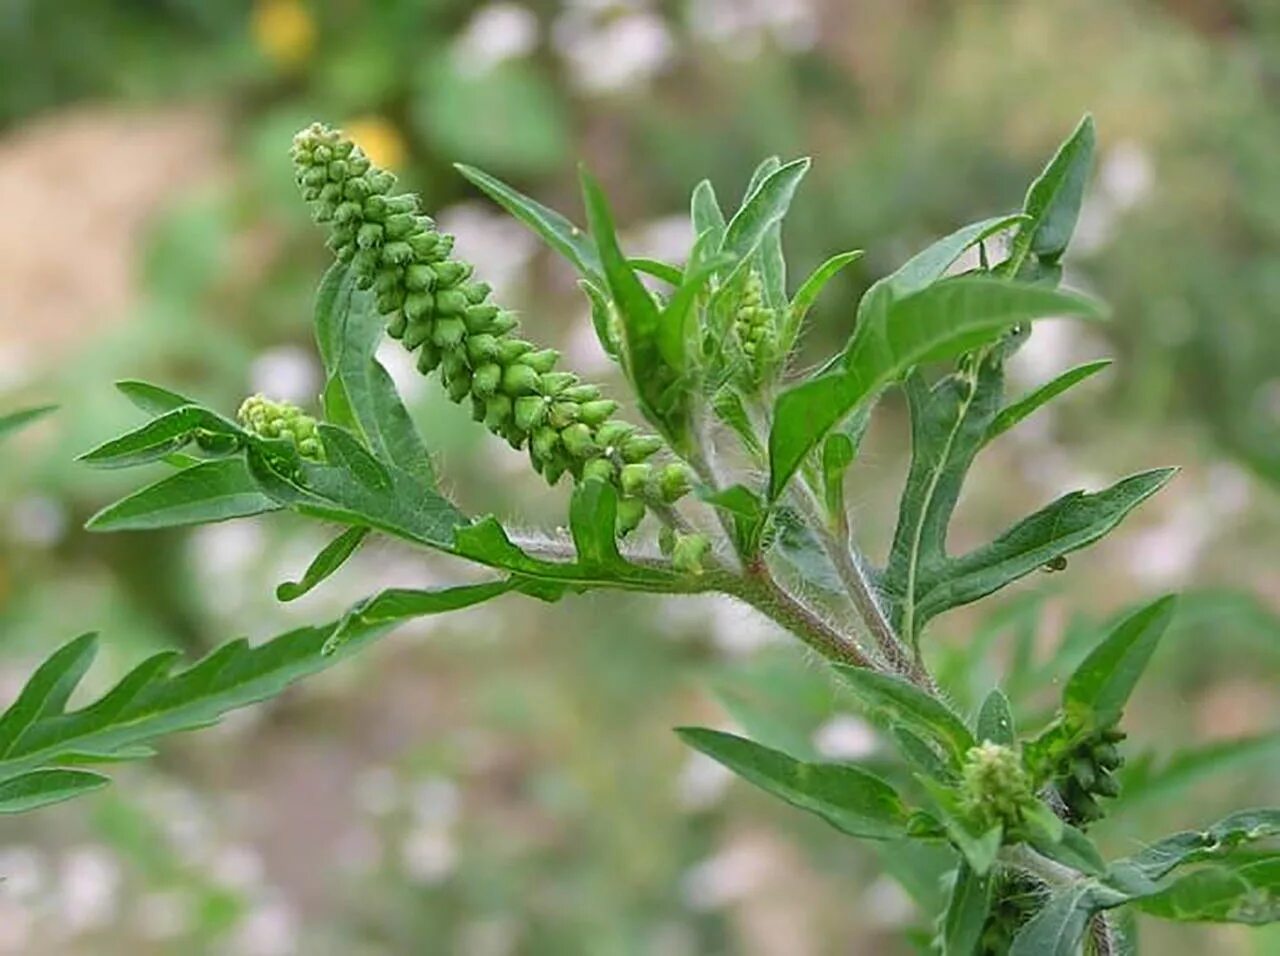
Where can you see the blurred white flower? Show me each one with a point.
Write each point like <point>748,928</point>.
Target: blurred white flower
<point>38,521</point>
<point>237,867</point>
<point>732,874</point>
<point>887,904</point>
<point>1127,174</point>
<point>702,782</point>
<point>286,373</point>
<point>88,889</point>
<point>845,737</point>
<point>435,801</point>
<point>496,33</point>
<point>611,47</point>
<point>742,26</point>
<point>429,854</point>
<point>269,929</point>
<point>23,870</point>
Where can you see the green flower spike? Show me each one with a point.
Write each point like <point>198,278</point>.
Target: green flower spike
<point>996,786</point>
<point>435,308</point>
<point>268,419</point>
<point>1086,772</point>
<point>754,325</point>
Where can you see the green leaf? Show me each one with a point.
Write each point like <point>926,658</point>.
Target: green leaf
<point>747,511</point>
<point>674,332</point>
<point>1245,892</point>
<point>400,604</point>
<point>1070,847</point>
<point>152,399</point>
<point>808,294</point>
<point>1053,202</point>
<point>652,377</point>
<point>995,720</point>
<point>1059,928</point>
<point>46,692</point>
<point>897,701</point>
<point>763,209</point>
<point>15,420</point>
<point>593,513</point>
<point>1074,521</point>
<point>941,321</point>
<point>39,788</point>
<point>329,560</point>
<point>769,257</point>
<point>850,799</point>
<point>207,492</point>
<point>557,231</point>
<point>1012,414</point>
<point>1137,875</point>
<point>602,319</point>
<point>838,451</point>
<point>966,913</point>
<point>704,211</point>
<point>1143,782</point>
<point>671,275</point>
<point>979,849</point>
<point>149,702</point>
<point>728,405</point>
<point>1100,687</point>
<point>359,393</point>
<point>162,436</point>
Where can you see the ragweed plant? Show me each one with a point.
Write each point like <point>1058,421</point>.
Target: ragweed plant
<point>738,489</point>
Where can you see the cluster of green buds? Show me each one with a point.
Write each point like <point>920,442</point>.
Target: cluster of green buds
<point>755,328</point>
<point>435,308</point>
<point>996,787</point>
<point>268,419</point>
<point>1086,772</point>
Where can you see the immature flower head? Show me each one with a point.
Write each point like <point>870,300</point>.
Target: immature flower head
<point>268,419</point>
<point>1086,772</point>
<point>434,306</point>
<point>996,786</point>
<point>754,326</point>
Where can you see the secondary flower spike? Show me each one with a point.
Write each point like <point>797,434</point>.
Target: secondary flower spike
<point>435,308</point>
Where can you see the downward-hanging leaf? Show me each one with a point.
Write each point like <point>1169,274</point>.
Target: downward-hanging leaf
<point>40,788</point>
<point>14,420</point>
<point>557,231</point>
<point>207,492</point>
<point>329,560</point>
<point>1245,891</point>
<point>966,913</point>
<point>848,798</point>
<point>941,321</point>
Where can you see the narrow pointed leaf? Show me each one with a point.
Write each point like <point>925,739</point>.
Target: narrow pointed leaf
<point>161,436</point>
<point>557,231</point>
<point>1052,205</point>
<point>47,690</point>
<point>763,209</point>
<point>395,605</point>
<point>941,321</point>
<point>329,560</point>
<point>1101,685</point>
<point>704,211</point>
<point>40,788</point>
<point>966,913</point>
<point>152,399</point>
<point>14,420</point>
<point>1059,928</point>
<point>808,294</point>
<point>1024,406</point>
<point>898,701</point>
<point>995,720</point>
<point>207,492</point>
<point>848,798</point>
<point>603,319</point>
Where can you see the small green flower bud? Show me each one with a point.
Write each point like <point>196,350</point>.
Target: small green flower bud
<point>612,434</point>
<point>419,277</point>
<point>689,551</point>
<point>389,301</point>
<point>996,787</point>
<point>601,469</point>
<point>397,324</point>
<point>449,332</point>
<point>450,302</point>
<point>458,388</point>
<point>451,272</point>
<point>397,253</point>
<point>553,383</point>
<point>477,292</point>
<point>416,333</point>
<point>504,323</point>
<point>542,361</point>
<point>424,245</point>
<point>482,347</point>
<point>486,379</point>
<point>386,279</point>
<point>497,411</point>
<point>554,468</point>
<point>428,358</point>
<point>519,380</point>
<point>480,319</point>
<point>563,414</point>
<point>639,447</point>
<point>512,349</point>
<point>666,540</point>
<point>635,478</point>
<point>631,512</point>
<point>530,411</point>
<point>596,413</point>
<point>674,482</point>
<point>400,225</point>
<point>579,442</point>
<point>419,306</point>
<point>369,235</point>
<point>544,442</point>
<point>580,393</point>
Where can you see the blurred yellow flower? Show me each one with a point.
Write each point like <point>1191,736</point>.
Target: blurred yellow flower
<point>379,139</point>
<point>284,30</point>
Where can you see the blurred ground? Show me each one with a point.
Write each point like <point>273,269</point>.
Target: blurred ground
<point>505,781</point>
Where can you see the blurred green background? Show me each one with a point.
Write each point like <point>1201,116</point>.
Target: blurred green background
<point>504,781</point>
